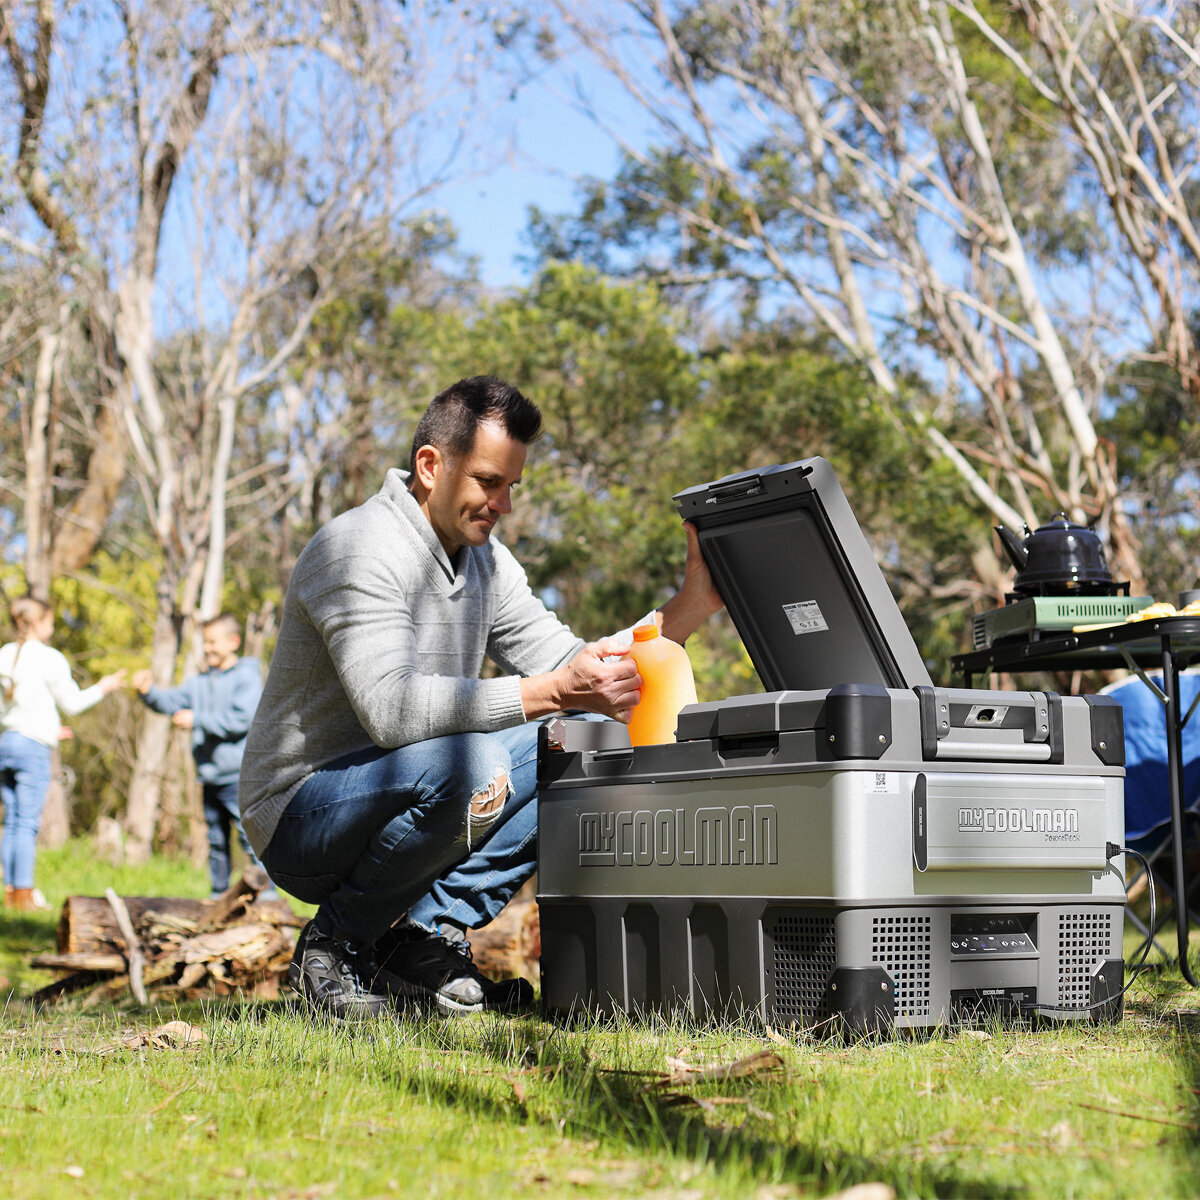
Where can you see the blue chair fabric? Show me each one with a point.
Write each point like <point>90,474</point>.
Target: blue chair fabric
<point>1147,793</point>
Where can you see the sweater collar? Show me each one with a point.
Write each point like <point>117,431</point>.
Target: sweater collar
<point>395,492</point>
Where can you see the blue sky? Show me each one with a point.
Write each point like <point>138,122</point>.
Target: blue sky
<point>554,146</point>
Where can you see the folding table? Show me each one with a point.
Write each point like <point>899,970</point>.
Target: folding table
<point>1169,643</point>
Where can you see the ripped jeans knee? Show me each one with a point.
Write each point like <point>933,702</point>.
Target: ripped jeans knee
<point>486,806</point>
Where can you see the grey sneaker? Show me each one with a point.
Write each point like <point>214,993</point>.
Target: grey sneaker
<point>329,975</point>
<point>415,965</point>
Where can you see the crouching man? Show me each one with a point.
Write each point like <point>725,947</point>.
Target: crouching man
<point>383,780</point>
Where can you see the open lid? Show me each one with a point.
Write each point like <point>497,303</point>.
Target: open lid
<point>799,580</point>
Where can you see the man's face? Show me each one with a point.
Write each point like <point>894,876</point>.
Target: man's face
<point>220,647</point>
<point>469,496</point>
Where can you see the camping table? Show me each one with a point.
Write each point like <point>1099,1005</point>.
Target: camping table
<point>1172,643</point>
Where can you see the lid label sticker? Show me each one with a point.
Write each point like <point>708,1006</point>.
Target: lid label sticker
<point>805,617</point>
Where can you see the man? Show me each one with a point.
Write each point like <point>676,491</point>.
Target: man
<point>217,706</point>
<point>383,778</point>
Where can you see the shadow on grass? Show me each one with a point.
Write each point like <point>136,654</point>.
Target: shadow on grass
<point>618,1110</point>
<point>22,927</point>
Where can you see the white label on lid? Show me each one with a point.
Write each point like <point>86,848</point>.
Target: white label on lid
<point>805,617</point>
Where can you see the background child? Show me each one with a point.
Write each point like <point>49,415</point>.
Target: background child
<point>35,685</point>
<point>217,706</point>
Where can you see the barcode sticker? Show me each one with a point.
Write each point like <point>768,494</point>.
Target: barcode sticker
<point>805,617</point>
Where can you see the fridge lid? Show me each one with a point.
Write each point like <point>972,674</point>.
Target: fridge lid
<point>799,580</point>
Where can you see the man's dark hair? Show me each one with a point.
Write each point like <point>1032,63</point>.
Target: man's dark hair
<point>453,416</point>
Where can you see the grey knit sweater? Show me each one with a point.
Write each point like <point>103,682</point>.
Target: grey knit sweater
<point>382,640</point>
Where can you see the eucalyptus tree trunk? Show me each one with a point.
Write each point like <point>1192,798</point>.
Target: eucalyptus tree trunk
<point>37,469</point>
<point>146,785</point>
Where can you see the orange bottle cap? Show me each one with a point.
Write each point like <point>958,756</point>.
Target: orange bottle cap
<point>644,633</point>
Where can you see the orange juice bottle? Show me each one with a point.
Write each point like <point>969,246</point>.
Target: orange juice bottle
<point>667,685</point>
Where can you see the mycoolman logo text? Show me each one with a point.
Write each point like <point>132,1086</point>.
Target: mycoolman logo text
<point>709,837</point>
<point>1059,824</point>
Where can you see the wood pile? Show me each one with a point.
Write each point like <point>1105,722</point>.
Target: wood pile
<point>238,942</point>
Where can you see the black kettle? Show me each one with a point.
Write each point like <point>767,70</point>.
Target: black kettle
<point>1058,558</point>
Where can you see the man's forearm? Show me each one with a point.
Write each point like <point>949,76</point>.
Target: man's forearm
<point>683,614</point>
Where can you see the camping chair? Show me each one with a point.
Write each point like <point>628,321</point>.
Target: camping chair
<point>1147,803</point>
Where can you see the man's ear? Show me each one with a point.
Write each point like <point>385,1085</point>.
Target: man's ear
<point>428,464</point>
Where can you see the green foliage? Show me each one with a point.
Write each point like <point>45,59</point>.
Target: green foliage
<point>606,363</point>
<point>637,407</point>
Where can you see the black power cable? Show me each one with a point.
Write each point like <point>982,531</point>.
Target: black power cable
<point>1111,850</point>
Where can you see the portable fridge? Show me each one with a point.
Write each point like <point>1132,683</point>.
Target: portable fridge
<point>852,848</point>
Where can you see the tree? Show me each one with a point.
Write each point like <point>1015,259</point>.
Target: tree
<point>637,407</point>
<point>995,197</point>
<point>275,144</point>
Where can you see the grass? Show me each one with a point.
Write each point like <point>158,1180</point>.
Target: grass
<point>270,1105</point>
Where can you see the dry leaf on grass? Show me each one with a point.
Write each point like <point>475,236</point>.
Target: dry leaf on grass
<point>764,1062</point>
<point>775,1036</point>
<point>1062,1135</point>
<point>174,1035</point>
<point>866,1191</point>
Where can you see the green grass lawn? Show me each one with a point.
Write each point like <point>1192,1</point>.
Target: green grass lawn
<point>270,1105</point>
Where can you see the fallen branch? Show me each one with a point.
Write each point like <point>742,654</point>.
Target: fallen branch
<point>239,894</point>
<point>78,962</point>
<point>133,947</point>
<point>1134,1116</point>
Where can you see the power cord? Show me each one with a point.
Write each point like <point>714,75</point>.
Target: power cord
<point>1111,850</point>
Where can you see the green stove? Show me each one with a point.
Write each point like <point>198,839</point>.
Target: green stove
<point>1048,614</point>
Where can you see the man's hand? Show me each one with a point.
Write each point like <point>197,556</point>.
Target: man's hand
<point>143,681</point>
<point>697,599</point>
<point>182,718</point>
<point>588,682</point>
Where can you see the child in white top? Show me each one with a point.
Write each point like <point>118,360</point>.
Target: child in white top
<point>35,685</point>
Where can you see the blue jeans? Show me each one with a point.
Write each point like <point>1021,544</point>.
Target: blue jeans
<point>381,832</point>
<point>24,781</point>
<point>223,817</point>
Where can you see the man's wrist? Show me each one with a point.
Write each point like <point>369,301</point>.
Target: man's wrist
<point>681,616</point>
<point>541,695</point>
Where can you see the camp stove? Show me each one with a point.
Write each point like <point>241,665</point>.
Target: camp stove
<point>852,848</point>
<point>1031,617</point>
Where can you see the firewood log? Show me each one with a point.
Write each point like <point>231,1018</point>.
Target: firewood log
<point>87,924</point>
<point>511,944</point>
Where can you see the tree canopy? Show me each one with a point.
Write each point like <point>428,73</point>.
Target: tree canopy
<point>946,244</point>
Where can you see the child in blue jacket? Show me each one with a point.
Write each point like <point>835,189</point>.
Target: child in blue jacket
<point>217,706</point>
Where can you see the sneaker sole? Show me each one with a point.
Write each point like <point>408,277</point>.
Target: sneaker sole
<point>446,1005</point>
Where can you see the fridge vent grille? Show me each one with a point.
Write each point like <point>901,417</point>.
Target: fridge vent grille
<point>1084,940</point>
<point>805,955</point>
<point>903,947</point>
